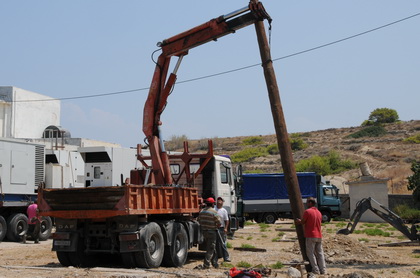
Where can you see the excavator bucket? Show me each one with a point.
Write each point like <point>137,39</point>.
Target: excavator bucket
<point>344,231</point>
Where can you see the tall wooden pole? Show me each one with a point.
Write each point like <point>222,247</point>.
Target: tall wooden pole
<point>285,149</point>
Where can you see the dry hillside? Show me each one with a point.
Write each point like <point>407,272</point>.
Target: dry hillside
<point>388,156</point>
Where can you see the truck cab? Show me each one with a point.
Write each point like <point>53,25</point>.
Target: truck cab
<point>328,200</point>
<point>216,180</point>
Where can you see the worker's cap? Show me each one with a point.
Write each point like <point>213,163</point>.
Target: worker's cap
<point>210,201</point>
<point>220,198</point>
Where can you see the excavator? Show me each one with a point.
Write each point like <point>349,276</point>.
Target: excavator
<point>366,204</point>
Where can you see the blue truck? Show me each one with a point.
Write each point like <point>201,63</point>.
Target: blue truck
<point>264,196</point>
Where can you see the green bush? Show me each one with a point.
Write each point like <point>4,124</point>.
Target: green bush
<point>325,165</point>
<point>413,139</point>
<point>371,131</point>
<point>254,140</point>
<point>315,163</point>
<point>273,149</point>
<point>298,144</point>
<point>248,154</point>
<point>406,212</point>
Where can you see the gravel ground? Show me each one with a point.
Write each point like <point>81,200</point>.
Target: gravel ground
<point>356,255</point>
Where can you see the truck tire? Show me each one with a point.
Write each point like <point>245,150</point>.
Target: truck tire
<point>326,216</point>
<point>3,228</point>
<point>152,238</point>
<point>46,228</point>
<point>17,226</point>
<point>176,254</point>
<point>270,218</point>
<point>63,258</point>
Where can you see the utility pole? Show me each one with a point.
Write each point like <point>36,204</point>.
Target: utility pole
<point>283,142</point>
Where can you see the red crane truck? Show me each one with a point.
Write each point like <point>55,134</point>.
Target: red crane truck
<point>150,220</point>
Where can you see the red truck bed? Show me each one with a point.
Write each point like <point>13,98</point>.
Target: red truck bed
<point>104,202</point>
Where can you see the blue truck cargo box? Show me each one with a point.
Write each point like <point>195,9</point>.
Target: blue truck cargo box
<point>273,186</point>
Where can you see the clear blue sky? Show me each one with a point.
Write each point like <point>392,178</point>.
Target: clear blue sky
<point>76,48</point>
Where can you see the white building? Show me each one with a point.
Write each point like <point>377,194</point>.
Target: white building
<point>25,114</point>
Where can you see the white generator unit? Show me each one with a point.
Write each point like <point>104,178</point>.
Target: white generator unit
<point>21,168</point>
<point>64,169</point>
<point>108,166</point>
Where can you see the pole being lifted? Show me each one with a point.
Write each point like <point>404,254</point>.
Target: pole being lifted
<point>285,149</point>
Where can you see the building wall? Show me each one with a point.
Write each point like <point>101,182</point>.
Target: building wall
<point>21,119</point>
<point>375,188</point>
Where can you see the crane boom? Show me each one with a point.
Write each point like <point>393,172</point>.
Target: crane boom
<point>161,86</point>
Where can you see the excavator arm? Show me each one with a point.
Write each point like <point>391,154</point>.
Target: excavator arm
<point>162,86</point>
<point>366,204</point>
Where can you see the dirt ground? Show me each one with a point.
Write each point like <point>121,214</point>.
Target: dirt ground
<point>356,255</point>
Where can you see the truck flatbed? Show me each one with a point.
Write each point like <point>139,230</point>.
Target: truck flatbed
<point>104,202</point>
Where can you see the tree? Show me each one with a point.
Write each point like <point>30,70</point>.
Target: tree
<point>414,181</point>
<point>382,116</point>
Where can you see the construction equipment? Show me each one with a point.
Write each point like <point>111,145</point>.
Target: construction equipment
<point>150,220</point>
<point>366,204</point>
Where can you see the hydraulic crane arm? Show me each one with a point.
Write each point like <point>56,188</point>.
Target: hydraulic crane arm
<point>389,216</point>
<point>161,86</point>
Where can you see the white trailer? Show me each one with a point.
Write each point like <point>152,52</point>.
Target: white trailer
<point>21,171</point>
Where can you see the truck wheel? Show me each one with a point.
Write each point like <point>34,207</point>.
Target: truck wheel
<point>270,218</point>
<point>46,228</point>
<point>17,226</point>
<point>63,258</point>
<point>152,238</point>
<point>176,254</point>
<point>326,216</point>
<point>3,228</point>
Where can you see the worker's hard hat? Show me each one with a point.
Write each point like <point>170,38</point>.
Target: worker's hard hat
<point>210,200</point>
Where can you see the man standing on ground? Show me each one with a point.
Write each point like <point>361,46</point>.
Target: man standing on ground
<point>312,219</point>
<point>34,223</point>
<point>223,229</point>
<point>210,221</point>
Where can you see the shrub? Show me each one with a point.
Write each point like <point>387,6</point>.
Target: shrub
<point>298,144</point>
<point>406,212</point>
<point>414,181</point>
<point>273,149</point>
<point>315,163</point>
<point>371,131</point>
<point>254,140</point>
<point>413,139</point>
<point>176,142</point>
<point>325,165</point>
<point>248,154</point>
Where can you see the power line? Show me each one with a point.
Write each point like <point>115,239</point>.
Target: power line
<point>233,70</point>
